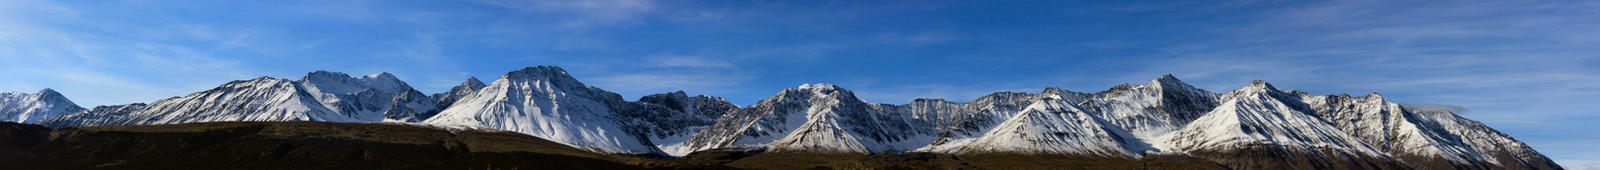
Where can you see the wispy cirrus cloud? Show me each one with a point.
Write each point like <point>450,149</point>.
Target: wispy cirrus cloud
<point>580,13</point>
<point>689,62</point>
<point>60,47</point>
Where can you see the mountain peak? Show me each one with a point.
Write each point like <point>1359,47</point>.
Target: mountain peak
<point>382,79</point>
<point>672,95</point>
<point>339,82</point>
<point>260,79</point>
<point>328,76</point>
<point>552,75</point>
<point>1052,90</point>
<point>542,69</point>
<point>1260,84</point>
<point>1167,77</point>
<point>31,108</point>
<point>472,82</point>
<point>1374,95</point>
<point>819,86</point>
<point>51,94</point>
<point>540,72</point>
<point>382,75</point>
<point>48,91</point>
<point>326,73</point>
<point>1167,81</point>
<point>708,97</point>
<point>1257,86</point>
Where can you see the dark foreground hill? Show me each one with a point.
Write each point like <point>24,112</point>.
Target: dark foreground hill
<point>283,145</point>
<point>325,145</point>
<point>812,160</point>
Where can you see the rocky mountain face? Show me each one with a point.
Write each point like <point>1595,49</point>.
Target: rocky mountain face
<point>1152,109</point>
<point>34,107</point>
<point>1257,126</point>
<point>1428,139</point>
<point>669,119</point>
<point>444,100</point>
<point>373,97</point>
<point>957,124</point>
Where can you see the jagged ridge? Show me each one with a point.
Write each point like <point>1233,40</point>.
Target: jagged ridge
<point>1164,116</point>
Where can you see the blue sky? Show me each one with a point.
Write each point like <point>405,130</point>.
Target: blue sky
<point>1528,68</point>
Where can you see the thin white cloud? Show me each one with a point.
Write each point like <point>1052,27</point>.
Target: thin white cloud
<point>919,38</point>
<point>689,62</point>
<point>57,47</point>
<point>584,12</point>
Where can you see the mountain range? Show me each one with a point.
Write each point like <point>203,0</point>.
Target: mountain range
<point>1257,126</point>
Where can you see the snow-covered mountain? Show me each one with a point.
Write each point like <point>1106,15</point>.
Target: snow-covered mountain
<point>540,101</point>
<point>1455,132</point>
<point>1164,116</point>
<point>260,99</point>
<point>825,117</point>
<point>376,97</point>
<point>547,103</point>
<point>1261,118</point>
<point>959,123</point>
<point>1055,125</point>
<point>1152,109</point>
<point>1424,138</point>
<point>1258,126</point>
<point>31,108</point>
<point>821,117</point>
<point>97,116</point>
<point>668,119</point>
<point>320,96</point>
<point>837,121</point>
